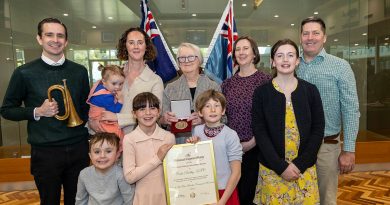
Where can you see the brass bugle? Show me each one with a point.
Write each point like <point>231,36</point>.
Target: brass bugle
<point>70,111</point>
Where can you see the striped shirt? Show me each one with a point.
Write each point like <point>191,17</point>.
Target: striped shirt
<point>335,80</point>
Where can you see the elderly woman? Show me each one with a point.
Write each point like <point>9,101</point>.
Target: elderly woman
<point>189,85</point>
<point>136,47</point>
<point>239,91</point>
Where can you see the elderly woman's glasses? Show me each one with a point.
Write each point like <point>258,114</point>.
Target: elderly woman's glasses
<point>183,59</point>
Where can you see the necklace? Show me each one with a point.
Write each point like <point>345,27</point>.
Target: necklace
<point>287,86</point>
<point>211,132</point>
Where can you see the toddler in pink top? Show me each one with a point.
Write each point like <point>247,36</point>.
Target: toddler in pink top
<point>105,95</point>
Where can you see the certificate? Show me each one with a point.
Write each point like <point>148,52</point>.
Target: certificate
<point>190,174</point>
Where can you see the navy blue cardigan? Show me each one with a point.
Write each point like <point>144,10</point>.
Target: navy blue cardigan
<point>268,125</point>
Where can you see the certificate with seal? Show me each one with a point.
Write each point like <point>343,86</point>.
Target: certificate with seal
<point>182,110</point>
<point>190,174</point>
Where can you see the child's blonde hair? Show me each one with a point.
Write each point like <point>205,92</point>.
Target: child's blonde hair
<point>100,137</point>
<point>111,70</point>
<point>206,96</point>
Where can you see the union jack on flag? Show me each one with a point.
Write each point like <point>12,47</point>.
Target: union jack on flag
<point>218,61</point>
<point>164,65</point>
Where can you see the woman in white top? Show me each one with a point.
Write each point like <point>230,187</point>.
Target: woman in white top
<point>136,47</point>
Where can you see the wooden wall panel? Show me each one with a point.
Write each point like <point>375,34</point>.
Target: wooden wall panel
<point>15,169</point>
<point>372,152</point>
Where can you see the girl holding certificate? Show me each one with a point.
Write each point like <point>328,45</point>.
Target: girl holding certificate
<point>144,150</point>
<point>211,107</point>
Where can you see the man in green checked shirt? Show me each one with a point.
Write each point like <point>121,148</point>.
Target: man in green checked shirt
<point>335,80</point>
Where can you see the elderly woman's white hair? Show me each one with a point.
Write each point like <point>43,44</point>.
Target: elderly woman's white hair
<point>194,47</point>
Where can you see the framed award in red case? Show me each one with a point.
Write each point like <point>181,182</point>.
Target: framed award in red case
<point>182,110</point>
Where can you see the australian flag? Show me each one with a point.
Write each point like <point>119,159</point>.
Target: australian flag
<point>164,65</point>
<point>219,62</point>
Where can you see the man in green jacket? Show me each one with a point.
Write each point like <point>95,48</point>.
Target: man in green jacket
<point>58,152</point>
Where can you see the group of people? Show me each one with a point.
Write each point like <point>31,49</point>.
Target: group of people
<point>278,144</point>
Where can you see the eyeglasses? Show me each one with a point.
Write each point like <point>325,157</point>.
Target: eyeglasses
<point>189,59</point>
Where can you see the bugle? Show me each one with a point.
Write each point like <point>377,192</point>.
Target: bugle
<point>70,111</point>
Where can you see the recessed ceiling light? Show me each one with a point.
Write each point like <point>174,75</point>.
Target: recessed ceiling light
<point>387,38</point>
<point>268,45</point>
<point>336,39</point>
<point>243,5</point>
<point>71,49</point>
<point>93,26</point>
<point>110,17</point>
<point>356,44</point>
<point>276,16</point>
<point>160,24</point>
<point>315,13</point>
<point>364,34</point>
<point>292,24</point>
<point>193,15</point>
<point>65,14</point>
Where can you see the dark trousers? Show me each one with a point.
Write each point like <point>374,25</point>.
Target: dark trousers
<point>249,175</point>
<point>56,166</point>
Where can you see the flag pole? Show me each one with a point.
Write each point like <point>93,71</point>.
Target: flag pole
<point>232,22</point>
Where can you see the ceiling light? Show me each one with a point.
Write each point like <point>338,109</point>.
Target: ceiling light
<point>387,38</point>
<point>336,39</point>
<point>315,13</point>
<point>160,24</point>
<point>243,5</point>
<point>93,26</point>
<point>292,24</point>
<point>386,44</point>
<point>364,34</point>
<point>71,49</point>
<point>193,15</point>
<point>65,14</point>
<point>110,17</point>
<point>276,16</point>
<point>356,44</point>
<point>268,45</point>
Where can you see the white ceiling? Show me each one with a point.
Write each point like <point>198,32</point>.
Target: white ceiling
<point>178,24</point>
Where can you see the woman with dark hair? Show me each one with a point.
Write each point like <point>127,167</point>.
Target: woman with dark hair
<point>238,91</point>
<point>135,47</point>
<point>288,123</point>
<point>189,86</point>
